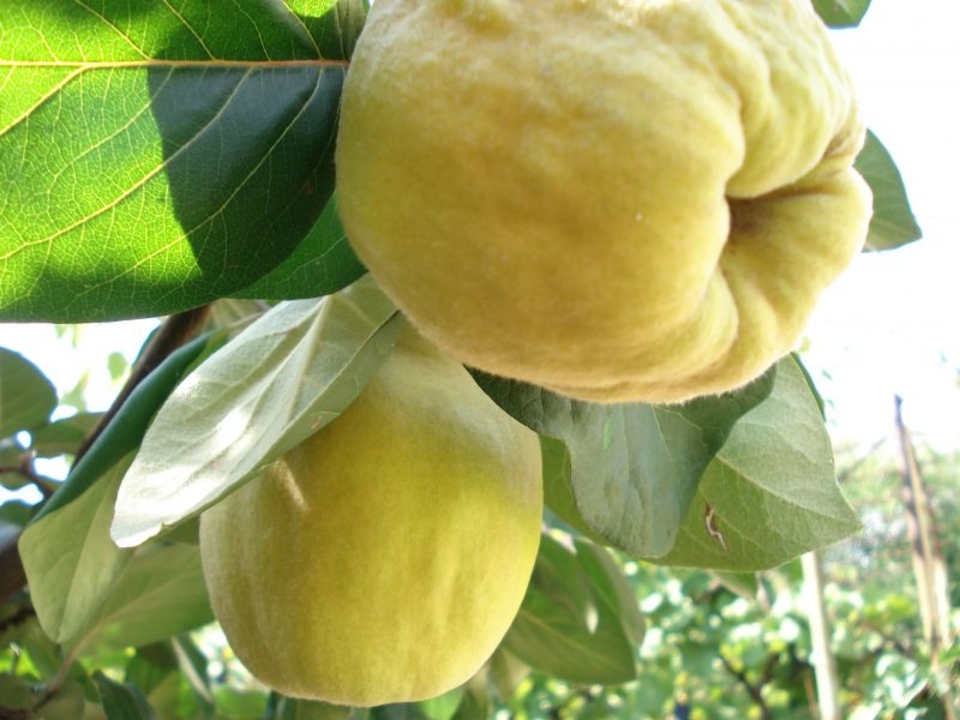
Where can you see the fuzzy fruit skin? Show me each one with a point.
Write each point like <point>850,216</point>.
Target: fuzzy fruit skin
<point>383,559</point>
<point>621,200</point>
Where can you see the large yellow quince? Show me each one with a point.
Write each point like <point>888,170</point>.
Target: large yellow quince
<point>384,558</point>
<point>615,199</point>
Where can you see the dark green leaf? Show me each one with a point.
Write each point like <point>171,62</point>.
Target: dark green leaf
<point>282,379</point>
<point>624,474</point>
<point>335,26</point>
<point>571,623</point>
<point>841,13</point>
<point>67,703</point>
<point>26,396</point>
<point>322,264</point>
<point>15,694</point>
<point>771,493</point>
<point>150,666</point>
<point>152,160</point>
<point>893,223</point>
<point>128,426</point>
<point>14,512</point>
<point>122,701</point>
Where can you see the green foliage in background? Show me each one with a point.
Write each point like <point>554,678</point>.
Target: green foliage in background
<point>156,158</point>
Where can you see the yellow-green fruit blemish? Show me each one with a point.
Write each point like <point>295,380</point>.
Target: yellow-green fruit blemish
<point>384,558</point>
<point>620,200</point>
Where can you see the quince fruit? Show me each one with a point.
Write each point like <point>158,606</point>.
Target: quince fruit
<point>620,200</point>
<point>384,558</point>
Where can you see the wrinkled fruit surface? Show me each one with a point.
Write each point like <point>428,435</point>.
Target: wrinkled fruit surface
<point>384,559</point>
<point>616,199</point>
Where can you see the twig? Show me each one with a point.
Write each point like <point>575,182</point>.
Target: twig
<point>755,691</point>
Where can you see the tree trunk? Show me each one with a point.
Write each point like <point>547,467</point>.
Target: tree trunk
<point>927,562</point>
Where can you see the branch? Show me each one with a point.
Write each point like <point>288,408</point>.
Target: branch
<point>45,485</point>
<point>755,691</point>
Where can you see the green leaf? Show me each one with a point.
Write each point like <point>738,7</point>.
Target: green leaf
<point>67,703</point>
<point>122,701</point>
<point>624,474</point>
<point>282,379</point>
<point>160,593</point>
<point>335,26</point>
<point>841,13</point>
<point>193,668</point>
<point>152,160</point>
<point>286,708</point>
<point>239,703</point>
<point>893,223</point>
<point>15,694</point>
<point>771,493</point>
<point>64,436</point>
<point>14,512</point>
<point>443,706</point>
<point>26,396</point>
<point>125,431</point>
<point>70,560</point>
<point>322,264</point>
<point>572,621</point>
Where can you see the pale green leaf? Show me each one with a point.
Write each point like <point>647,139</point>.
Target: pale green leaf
<point>161,592</point>
<point>70,560</point>
<point>771,493</point>
<point>282,379</point>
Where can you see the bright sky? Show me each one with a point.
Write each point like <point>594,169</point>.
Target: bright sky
<point>889,326</point>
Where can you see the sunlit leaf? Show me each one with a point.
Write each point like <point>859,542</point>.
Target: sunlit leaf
<point>152,159</point>
<point>841,13</point>
<point>282,379</point>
